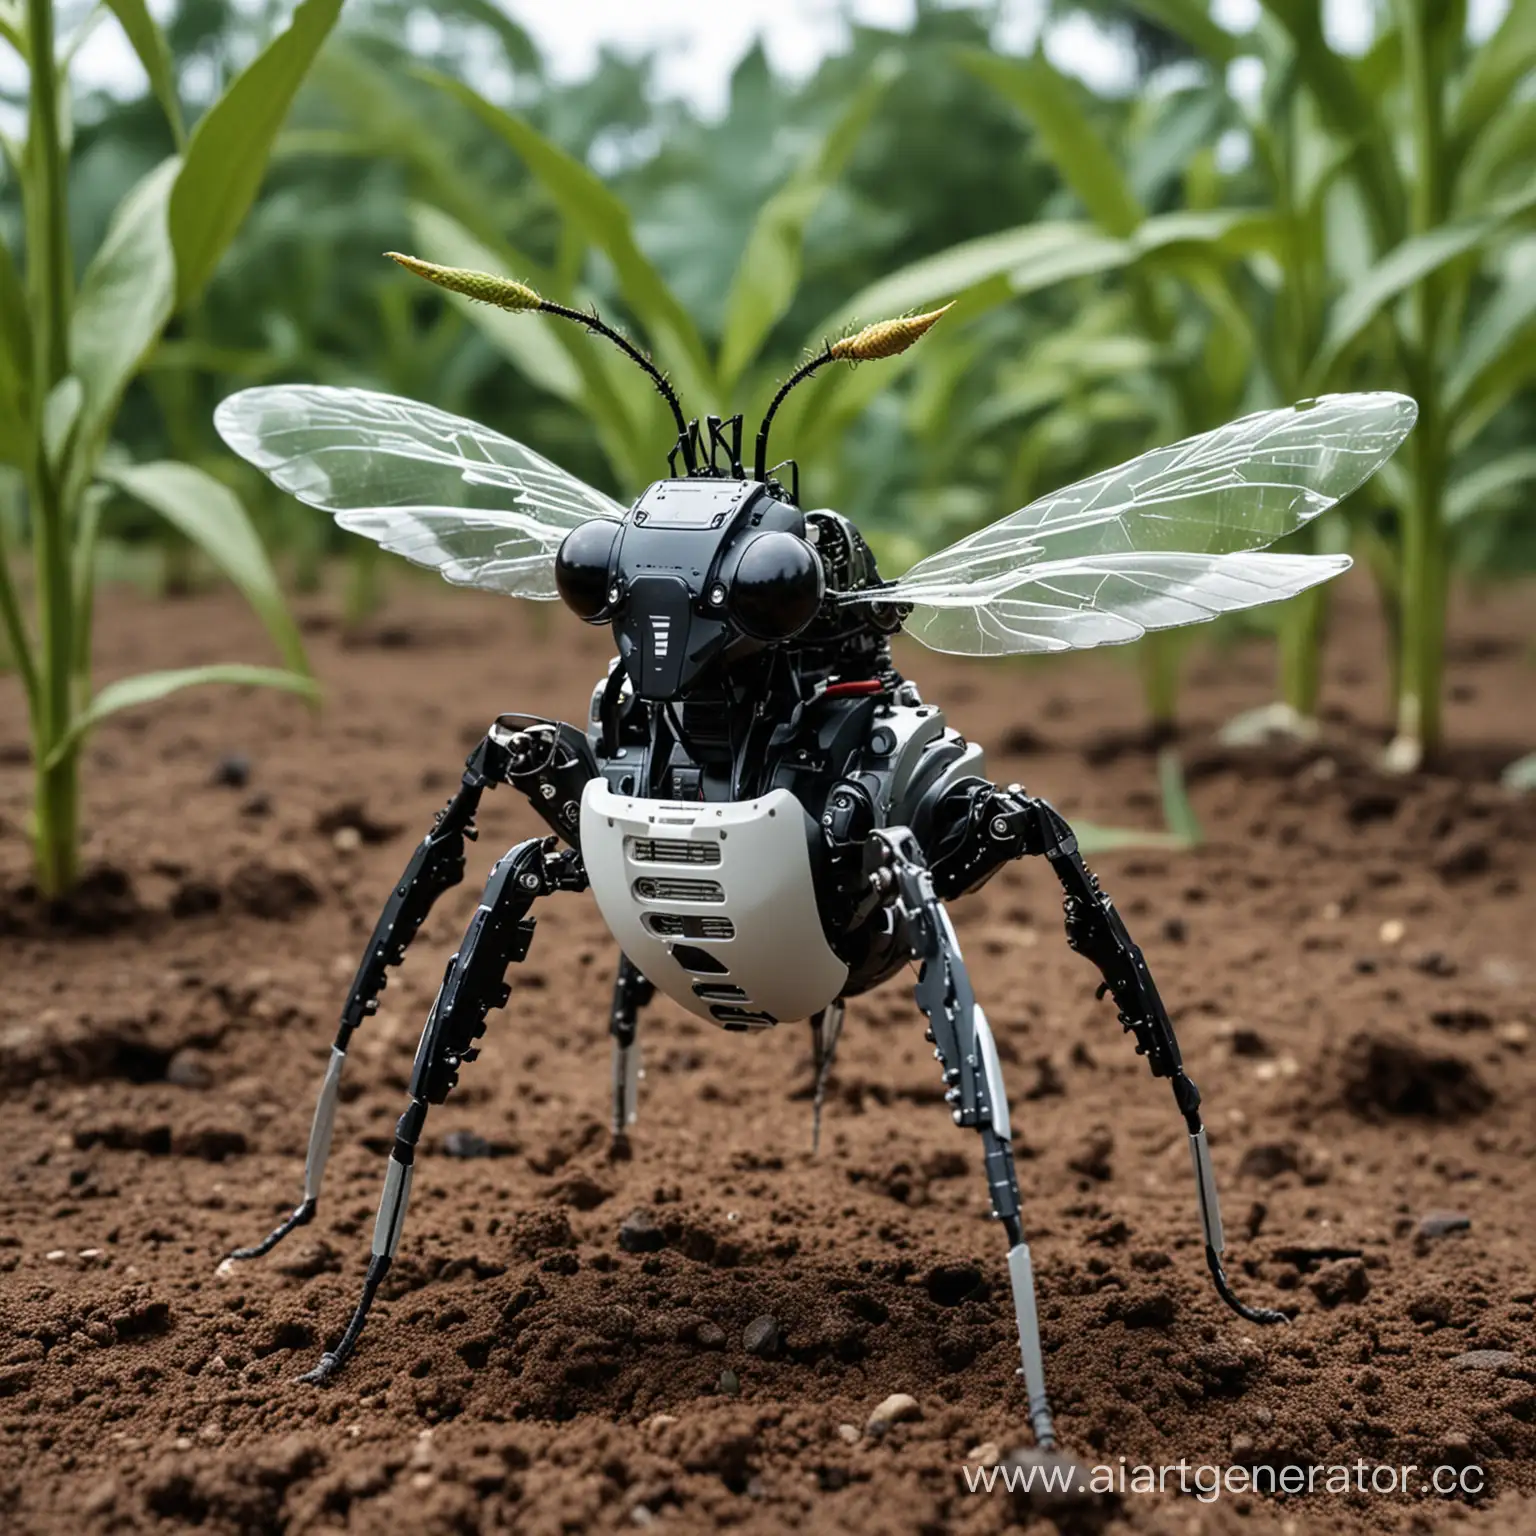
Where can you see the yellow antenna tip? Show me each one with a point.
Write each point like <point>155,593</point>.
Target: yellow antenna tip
<point>886,338</point>
<point>484,287</point>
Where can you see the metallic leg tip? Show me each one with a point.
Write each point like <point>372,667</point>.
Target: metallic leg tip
<point>300,1218</point>
<point>1264,1316</point>
<point>323,1372</point>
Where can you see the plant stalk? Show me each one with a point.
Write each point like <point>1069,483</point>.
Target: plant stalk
<point>1301,651</point>
<point>50,273</point>
<point>1424,593</point>
<point>1161,656</point>
<point>1424,580</point>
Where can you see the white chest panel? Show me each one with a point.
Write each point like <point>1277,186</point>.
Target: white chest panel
<point>714,902</point>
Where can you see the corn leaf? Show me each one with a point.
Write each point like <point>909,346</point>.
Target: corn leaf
<point>768,272</point>
<point>1191,20</point>
<point>367,94</point>
<point>1498,329</point>
<point>552,354</point>
<point>125,299</point>
<point>604,221</point>
<point>1394,275</point>
<point>1053,104</point>
<point>1502,157</point>
<point>61,419</point>
<point>1183,824</point>
<point>531,341</point>
<point>15,363</point>
<point>1482,487</point>
<point>12,27</point>
<point>1498,67</point>
<point>1349,108</point>
<point>227,155</point>
<point>208,513</point>
<point>1094,839</point>
<point>154,53</point>
<point>992,269</point>
<point>978,268</point>
<point>149,687</point>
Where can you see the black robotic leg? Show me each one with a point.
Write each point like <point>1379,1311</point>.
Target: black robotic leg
<point>826,1031</point>
<point>1095,929</point>
<point>498,934</point>
<point>981,827</point>
<point>631,992</point>
<point>963,1044</point>
<point>436,866</point>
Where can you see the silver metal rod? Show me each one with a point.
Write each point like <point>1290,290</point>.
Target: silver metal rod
<point>1021,1275</point>
<point>392,1204</point>
<point>1205,1185</point>
<point>992,1075</point>
<point>826,1031</point>
<point>323,1125</point>
<point>626,1085</point>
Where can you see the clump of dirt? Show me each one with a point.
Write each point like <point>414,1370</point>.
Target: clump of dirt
<point>276,892</point>
<point>103,902</point>
<point>701,1335</point>
<point>1395,1077</point>
<point>354,817</point>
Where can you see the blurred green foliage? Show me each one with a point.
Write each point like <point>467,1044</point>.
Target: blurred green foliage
<point>77,331</point>
<point>1128,269</point>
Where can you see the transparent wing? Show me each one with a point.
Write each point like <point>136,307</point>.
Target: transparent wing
<point>1158,542</point>
<point>1240,487</point>
<point>1073,605</point>
<point>479,508</point>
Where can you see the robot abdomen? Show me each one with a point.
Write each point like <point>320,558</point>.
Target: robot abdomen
<point>714,901</point>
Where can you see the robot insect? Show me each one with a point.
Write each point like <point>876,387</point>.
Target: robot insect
<point>768,816</point>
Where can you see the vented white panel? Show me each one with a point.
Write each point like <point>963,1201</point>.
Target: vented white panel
<point>643,858</point>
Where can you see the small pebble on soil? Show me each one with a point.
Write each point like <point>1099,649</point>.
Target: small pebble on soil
<point>1439,1223</point>
<point>898,1408</point>
<point>761,1337</point>
<point>639,1233</point>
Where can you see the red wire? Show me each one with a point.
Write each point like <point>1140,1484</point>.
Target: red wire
<point>860,686</point>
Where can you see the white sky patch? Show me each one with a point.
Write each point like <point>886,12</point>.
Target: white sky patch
<point>1349,29</point>
<point>1234,149</point>
<point>1078,45</point>
<point>1245,81</point>
<point>1483,18</point>
<point>1237,16</point>
<point>698,43</point>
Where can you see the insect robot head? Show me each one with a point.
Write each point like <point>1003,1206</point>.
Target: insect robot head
<point>701,571</point>
<point>767,814</point>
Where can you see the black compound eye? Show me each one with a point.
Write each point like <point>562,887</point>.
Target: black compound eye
<point>581,566</point>
<point>777,587</point>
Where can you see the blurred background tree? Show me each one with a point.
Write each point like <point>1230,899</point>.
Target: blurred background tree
<point>1237,219</point>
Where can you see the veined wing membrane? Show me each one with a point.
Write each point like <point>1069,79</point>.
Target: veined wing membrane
<point>482,510</point>
<point>1073,605</point>
<point>1161,541</point>
<point>1240,487</point>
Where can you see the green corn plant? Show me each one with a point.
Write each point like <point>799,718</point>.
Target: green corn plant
<point>1401,184</point>
<point>1185,391</point>
<point>68,352</point>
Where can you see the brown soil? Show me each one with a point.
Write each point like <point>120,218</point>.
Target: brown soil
<point>1349,959</point>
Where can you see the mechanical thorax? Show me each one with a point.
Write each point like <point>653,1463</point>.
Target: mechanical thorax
<point>731,778</point>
